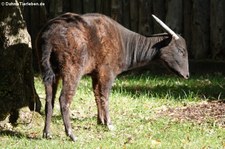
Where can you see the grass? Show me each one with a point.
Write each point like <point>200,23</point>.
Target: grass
<point>134,102</point>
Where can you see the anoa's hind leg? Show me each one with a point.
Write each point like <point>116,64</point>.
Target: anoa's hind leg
<point>70,82</point>
<point>54,89</point>
<point>48,111</point>
<point>51,90</point>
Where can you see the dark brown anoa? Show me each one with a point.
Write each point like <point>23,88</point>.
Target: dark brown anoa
<point>72,45</point>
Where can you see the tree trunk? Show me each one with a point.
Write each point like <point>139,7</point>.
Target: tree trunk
<point>16,73</point>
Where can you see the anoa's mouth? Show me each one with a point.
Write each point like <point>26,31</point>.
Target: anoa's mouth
<point>178,73</point>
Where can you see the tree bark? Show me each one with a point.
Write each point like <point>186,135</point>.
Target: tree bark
<point>16,73</point>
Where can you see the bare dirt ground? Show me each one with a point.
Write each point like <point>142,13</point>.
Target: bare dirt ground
<point>212,112</point>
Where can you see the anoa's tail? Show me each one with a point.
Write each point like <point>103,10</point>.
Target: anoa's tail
<point>46,68</point>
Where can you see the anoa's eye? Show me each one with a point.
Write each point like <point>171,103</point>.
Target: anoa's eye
<point>181,52</point>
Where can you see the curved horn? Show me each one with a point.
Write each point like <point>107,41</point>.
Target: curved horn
<point>166,27</point>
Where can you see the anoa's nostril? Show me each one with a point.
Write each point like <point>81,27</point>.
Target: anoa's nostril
<point>187,76</point>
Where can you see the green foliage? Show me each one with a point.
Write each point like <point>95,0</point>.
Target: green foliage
<point>135,101</point>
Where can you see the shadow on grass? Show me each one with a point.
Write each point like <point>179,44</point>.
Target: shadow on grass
<point>199,90</point>
<point>211,92</point>
<point>16,134</point>
<point>74,118</point>
<point>11,133</point>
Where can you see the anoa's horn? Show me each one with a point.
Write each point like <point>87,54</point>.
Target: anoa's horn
<point>175,36</point>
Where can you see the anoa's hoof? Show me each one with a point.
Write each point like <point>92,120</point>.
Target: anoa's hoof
<point>111,127</point>
<point>47,135</point>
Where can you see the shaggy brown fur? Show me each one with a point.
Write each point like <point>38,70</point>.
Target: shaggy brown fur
<point>73,45</point>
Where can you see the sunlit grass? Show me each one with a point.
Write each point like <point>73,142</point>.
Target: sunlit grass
<point>135,100</point>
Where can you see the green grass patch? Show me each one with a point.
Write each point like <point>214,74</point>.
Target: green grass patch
<point>135,100</point>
